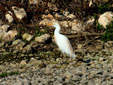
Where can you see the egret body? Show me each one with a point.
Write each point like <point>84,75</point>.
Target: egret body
<point>62,41</point>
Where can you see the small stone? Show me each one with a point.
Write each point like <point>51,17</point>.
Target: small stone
<point>19,46</point>
<point>47,70</point>
<point>66,13</point>
<point>59,78</point>
<point>18,82</point>
<point>34,44</point>
<point>101,58</point>
<point>105,19</point>
<point>27,36</point>
<point>68,75</point>
<point>1,23</point>
<point>57,83</point>
<point>10,35</point>
<point>34,2</point>
<point>5,27</point>
<point>49,16</point>
<point>2,34</point>
<point>44,22</point>
<point>34,62</point>
<point>90,3</point>
<point>2,44</point>
<point>26,49</point>
<point>91,83</point>
<point>90,21</point>
<point>71,16</point>
<point>52,7</point>
<point>79,46</point>
<point>76,78</point>
<point>77,26</point>
<point>58,15</point>
<point>42,38</point>
<point>19,12</point>
<point>9,17</point>
<point>26,82</point>
<point>84,81</point>
<point>16,42</point>
<point>98,47</point>
<point>23,63</point>
<point>64,23</point>
<point>97,81</point>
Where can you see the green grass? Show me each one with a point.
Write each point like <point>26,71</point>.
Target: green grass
<point>5,74</point>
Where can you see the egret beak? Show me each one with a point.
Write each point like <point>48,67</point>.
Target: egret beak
<point>49,24</point>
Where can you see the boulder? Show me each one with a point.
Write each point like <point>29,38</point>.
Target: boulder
<point>105,19</point>
<point>42,38</point>
<point>19,12</point>
<point>10,35</point>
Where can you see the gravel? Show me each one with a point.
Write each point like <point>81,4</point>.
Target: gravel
<point>73,73</point>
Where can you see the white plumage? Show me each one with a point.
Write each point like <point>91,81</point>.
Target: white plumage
<point>62,41</point>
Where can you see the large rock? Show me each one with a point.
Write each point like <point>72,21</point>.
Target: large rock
<point>42,38</point>
<point>64,23</point>
<point>17,45</point>
<point>105,19</point>
<point>19,12</point>
<point>44,22</point>
<point>49,16</point>
<point>27,36</point>
<point>10,35</point>
<point>77,26</point>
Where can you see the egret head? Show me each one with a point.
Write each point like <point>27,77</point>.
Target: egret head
<point>54,24</point>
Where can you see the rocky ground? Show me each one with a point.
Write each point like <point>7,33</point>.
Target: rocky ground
<point>94,69</point>
<point>29,55</point>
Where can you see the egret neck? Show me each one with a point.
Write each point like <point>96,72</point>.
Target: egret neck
<point>57,30</point>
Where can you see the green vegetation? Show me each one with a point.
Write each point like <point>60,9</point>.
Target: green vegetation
<point>108,31</point>
<point>100,27</point>
<point>39,32</point>
<point>108,35</point>
<point>5,74</point>
<point>104,7</point>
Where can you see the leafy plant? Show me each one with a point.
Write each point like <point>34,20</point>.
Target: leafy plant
<point>108,35</point>
<point>99,26</point>
<point>8,74</point>
<point>104,7</point>
<point>39,32</point>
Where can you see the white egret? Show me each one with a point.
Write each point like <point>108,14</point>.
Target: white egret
<point>62,41</point>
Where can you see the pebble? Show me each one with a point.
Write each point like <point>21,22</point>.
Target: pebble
<point>27,36</point>
<point>23,62</point>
